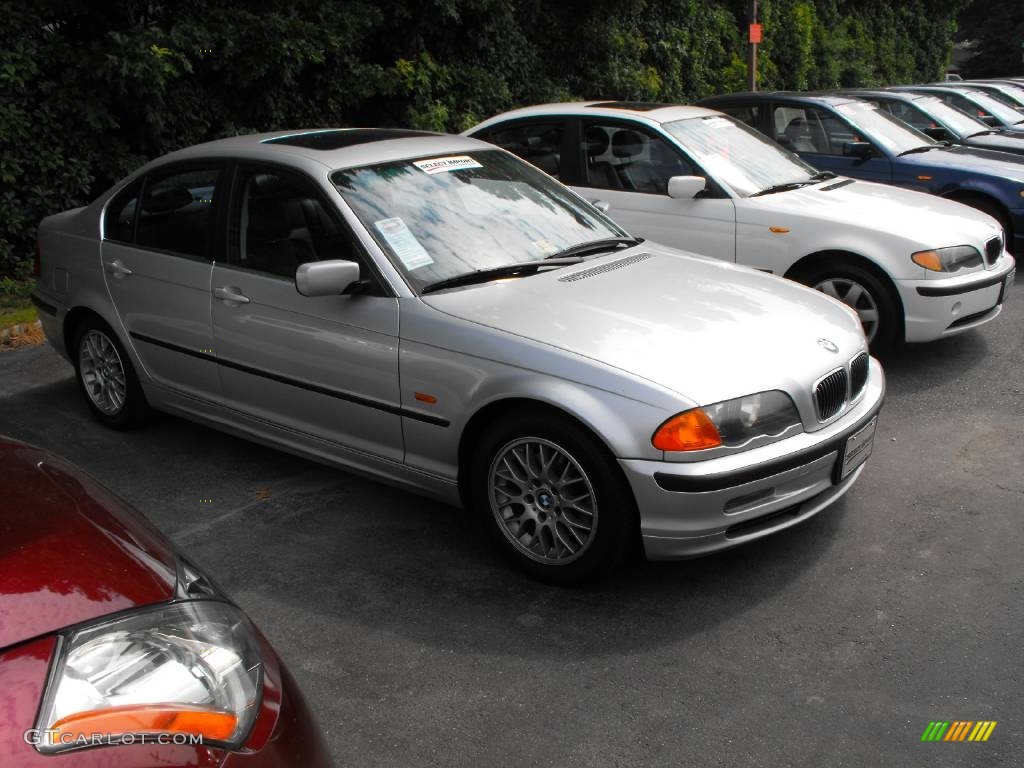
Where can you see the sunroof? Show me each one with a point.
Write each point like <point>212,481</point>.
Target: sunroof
<point>634,106</point>
<point>338,138</point>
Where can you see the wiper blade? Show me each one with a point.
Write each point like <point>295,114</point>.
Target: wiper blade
<point>823,176</point>
<point>922,148</point>
<point>518,269</point>
<point>591,246</point>
<point>782,187</point>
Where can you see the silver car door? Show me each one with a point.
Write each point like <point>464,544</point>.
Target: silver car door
<point>628,166</point>
<point>324,366</point>
<point>157,262</point>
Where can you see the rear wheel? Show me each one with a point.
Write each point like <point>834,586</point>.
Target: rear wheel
<point>863,291</point>
<point>106,377</point>
<point>553,501</point>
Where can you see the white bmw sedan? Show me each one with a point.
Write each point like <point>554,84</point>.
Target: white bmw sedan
<point>915,267</point>
<point>435,312</point>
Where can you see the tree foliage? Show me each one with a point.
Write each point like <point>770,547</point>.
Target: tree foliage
<point>996,27</point>
<point>88,91</point>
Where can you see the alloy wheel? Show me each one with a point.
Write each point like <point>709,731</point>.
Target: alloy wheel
<point>854,295</point>
<point>542,500</point>
<point>102,372</point>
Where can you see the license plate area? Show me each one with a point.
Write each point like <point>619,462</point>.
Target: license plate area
<point>856,450</point>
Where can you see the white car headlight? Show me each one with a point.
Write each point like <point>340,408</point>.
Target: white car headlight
<point>730,423</point>
<point>948,259</point>
<point>185,668</point>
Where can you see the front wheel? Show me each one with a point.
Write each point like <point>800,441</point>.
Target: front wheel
<point>554,502</point>
<point>866,294</point>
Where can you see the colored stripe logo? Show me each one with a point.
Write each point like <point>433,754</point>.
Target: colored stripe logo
<point>958,730</point>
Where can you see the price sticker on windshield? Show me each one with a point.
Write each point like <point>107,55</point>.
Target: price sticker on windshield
<point>403,243</point>
<point>446,164</point>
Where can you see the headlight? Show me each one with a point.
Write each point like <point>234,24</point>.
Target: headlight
<point>730,423</point>
<point>948,259</point>
<point>187,668</point>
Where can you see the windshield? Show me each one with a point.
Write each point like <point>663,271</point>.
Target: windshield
<point>1006,115</point>
<point>736,155</point>
<point>889,132</point>
<point>442,216</point>
<point>958,122</point>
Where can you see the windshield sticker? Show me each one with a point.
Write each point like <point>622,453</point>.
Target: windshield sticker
<point>404,243</point>
<point>546,247</point>
<point>443,164</point>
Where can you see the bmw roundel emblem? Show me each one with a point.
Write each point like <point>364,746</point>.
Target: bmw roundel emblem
<point>830,346</point>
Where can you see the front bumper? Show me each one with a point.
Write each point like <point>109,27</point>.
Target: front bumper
<point>690,509</point>
<point>934,309</point>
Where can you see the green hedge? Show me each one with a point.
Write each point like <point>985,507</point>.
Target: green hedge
<point>89,91</point>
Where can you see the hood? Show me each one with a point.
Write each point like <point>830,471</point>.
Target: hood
<point>69,550</point>
<point>1004,142</point>
<point>974,159</point>
<point>702,328</point>
<point>930,220</point>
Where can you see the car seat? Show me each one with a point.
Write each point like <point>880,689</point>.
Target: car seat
<point>602,173</point>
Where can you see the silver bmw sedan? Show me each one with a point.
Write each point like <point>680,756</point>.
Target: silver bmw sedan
<point>432,311</point>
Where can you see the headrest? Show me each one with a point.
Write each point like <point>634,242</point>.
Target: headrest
<point>167,200</point>
<point>797,126</point>
<point>597,141</point>
<point>627,144</point>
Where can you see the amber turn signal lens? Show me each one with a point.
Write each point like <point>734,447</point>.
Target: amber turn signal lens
<point>929,260</point>
<point>212,725</point>
<point>687,431</point>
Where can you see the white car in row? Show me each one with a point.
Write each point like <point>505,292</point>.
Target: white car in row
<point>915,267</point>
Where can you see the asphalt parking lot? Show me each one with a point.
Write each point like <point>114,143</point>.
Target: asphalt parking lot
<point>832,644</point>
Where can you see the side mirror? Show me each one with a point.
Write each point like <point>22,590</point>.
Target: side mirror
<point>686,187</point>
<point>601,205</point>
<point>991,121</point>
<point>938,133</point>
<point>326,278</point>
<point>862,150</point>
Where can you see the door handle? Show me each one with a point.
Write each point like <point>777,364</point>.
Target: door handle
<point>117,268</point>
<point>230,294</point>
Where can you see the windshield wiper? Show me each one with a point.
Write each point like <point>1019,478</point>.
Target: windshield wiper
<point>782,187</point>
<point>518,269</point>
<point>922,148</point>
<point>591,246</point>
<point>823,176</point>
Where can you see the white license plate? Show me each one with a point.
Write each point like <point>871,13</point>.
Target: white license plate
<point>858,448</point>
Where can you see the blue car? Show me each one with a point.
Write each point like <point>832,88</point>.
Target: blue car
<point>854,138</point>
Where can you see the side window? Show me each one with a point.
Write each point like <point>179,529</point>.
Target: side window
<point>537,143</point>
<point>280,222</point>
<point>619,157</point>
<point>119,220</point>
<point>176,213</point>
<point>908,113</point>
<point>748,115</point>
<point>808,129</point>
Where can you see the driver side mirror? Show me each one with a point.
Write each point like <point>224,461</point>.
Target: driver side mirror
<point>862,150</point>
<point>938,133</point>
<point>990,120</point>
<point>326,278</point>
<point>686,187</point>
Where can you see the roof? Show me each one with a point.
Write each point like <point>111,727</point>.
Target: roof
<point>811,96</point>
<point>654,112</point>
<point>331,147</point>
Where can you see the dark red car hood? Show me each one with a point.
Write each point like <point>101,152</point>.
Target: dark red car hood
<point>70,551</point>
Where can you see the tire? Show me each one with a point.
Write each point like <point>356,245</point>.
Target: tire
<point>525,506</point>
<point>106,377</point>
<point>867,293</point>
